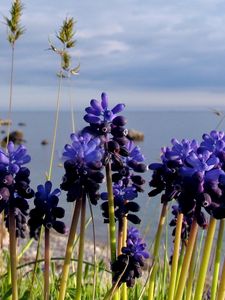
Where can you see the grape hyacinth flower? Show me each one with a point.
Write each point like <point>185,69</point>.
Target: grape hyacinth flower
<point>132,260</point>
<point>46,211</point>
<point>15,186</point>
<point>126,185</point>
<point>166,175</point>
<point>83,167</point>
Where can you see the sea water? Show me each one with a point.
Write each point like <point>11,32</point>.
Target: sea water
<point>158,128</point>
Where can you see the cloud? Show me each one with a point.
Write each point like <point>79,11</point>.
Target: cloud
<point>131,44</point>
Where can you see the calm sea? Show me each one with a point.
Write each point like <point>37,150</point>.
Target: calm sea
<point>158,127</point>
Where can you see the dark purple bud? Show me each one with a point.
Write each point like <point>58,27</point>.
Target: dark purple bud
<point>134,219</point>
<point>104,101</point>
<point>201,220</point>
<point>119,121</point>
<point>116,177</point>
<point>154,192</point>
<point>92,119</point>
<point>96,105</point>
<point>113,146</point>
<point>137,179</point>
<point>132,206</point>
<point>58,212</point>
<point>121,140</point>
<point>60,227</point>
<point>205,199</point>
<point>92,111</point>
<point>95,165</point>
<point>118,108</point>
<point>124,151</point>
<point>119,131</point>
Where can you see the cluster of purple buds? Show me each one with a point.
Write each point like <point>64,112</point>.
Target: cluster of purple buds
<point>193,175</point>
<point>83,165</point>
<point>166,177</point>
<point>106,124</point>
<point>126,185</point>
<point>102,120</point>
<point>132,260</point>
<point>15,186</point>
<point>46,211</point>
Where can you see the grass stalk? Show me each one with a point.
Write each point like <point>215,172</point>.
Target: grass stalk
<point>219,245</point>
<point>81,249</point>
<point>55,128</point>
<point>221,289</point>
<point>186,261</point>
<point>162,219</point>
<point>112,224</point>
<point>13,253</point>
<point>69,250</point>
<point>47,264</point>
<point>124,295</point>
<point>175,257</point>
<point>205,259</point>
<point>191,274</point>
<point>9,117</point>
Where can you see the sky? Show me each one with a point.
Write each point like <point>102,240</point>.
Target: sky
<point>145,53</point>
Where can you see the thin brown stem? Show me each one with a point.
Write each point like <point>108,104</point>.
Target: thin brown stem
<point>47,264</point>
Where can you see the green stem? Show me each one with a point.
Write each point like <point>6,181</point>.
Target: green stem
<point>36,260</point>
<point>156,251</point>
<point>47,264</point>
<point>221,290</point>
<point>175,257</point>
<point>124,286</point>
<point>13,253</point>
<point>120,236</point>
<point>55,128</point>
<point>205,259</point>
<point>10,95</point>
<point>81,249</point>
<point>187,260</point>
<point>191,274</point>
<point>69,250</point>
<point>217,260</point>
<point>112,225</point>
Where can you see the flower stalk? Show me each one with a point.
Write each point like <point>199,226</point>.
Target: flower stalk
<point>217,260</point>
<point>47,264</point>
<point>221,289</point>
<point>112,224</point>
<point>187,260</point>
<point>13,253</point>
<point>156,251</point>
<point>81,249</point>
<point>175,257</point>
<point>69,250</point>
<point>124,295</point>
<point>205,259</point>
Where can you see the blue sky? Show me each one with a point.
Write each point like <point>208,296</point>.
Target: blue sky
<point>141,52</point>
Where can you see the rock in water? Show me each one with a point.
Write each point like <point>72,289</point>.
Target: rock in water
<point>15,136</point>
<point>135,135</point>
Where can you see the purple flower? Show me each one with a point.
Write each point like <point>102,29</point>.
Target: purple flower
<point>213,142</point>
<point>132,259</point>
<point>83,167</point>
<point>15,186</point>
<point>98,112</point>
<point>46,211</point>
<point>123,206</point>
<point>14,158</point>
